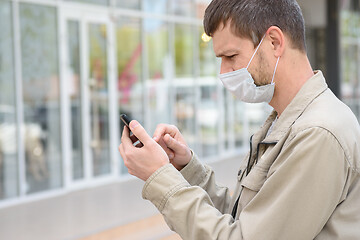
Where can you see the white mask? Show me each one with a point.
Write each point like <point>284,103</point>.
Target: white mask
<point>241,84</point>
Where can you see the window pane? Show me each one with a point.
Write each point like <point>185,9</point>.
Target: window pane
<point>159,65</point>
<point>73,81</point>
<point>228,120</point>
<point>99,2</point>
<point>99,99</point>
<point>208,110</point>
<point>156,6</point>
<point>208,114</point>
<point>182,7</point>
<point>239,112</point>
<point>130,89</point>
<point>8,130</point>
<point>41,97</point>
<point>184,83</point>
<point>350,55</point>
<point>133,4</point>
<point>184,61</point>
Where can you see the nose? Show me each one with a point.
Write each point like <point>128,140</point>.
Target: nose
<point>225,67</point>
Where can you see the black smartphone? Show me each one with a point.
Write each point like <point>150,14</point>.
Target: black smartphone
<point>126,120</point>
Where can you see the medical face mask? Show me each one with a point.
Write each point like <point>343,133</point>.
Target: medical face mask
<point>241,84</point>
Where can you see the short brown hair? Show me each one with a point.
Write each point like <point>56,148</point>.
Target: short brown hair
<point>252,18</point>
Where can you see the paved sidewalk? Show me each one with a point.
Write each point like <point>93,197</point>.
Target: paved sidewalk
<point>153,228</point>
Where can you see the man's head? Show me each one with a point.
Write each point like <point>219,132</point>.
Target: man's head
<point>252,18</point>
<point>237,27</point>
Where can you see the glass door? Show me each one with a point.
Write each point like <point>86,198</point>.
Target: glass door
<point>98,88</point>
<point>87,93</point>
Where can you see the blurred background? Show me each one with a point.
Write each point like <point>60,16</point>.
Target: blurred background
<point>69,68</point>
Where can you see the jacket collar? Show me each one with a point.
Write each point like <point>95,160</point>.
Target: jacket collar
<point>309,91</point>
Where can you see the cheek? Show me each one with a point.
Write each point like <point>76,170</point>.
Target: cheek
<point>263,72</point>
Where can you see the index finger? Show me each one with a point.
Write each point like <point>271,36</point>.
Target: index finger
<point>163,129</point>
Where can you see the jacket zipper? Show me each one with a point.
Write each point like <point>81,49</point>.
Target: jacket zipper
<point>248,167</point>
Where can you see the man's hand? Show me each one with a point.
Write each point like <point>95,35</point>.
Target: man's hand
<point>141,162</point>
<point>171,140</point>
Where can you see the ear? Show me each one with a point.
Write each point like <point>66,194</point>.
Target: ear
<point>277,40</point>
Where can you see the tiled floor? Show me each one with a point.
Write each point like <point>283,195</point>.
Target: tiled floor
<point>153,228</point>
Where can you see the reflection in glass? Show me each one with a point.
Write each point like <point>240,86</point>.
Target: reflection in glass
<point>350,54</point>
<point>133,4</point>
<point>156,6</point>
<point>182,7</point>
<point>73,81</point>
<point>99,99</point>
<point>129,52</point>
<point>8,130</point>
<point>208,110</point>
<point>159,71</point>
<point>184,83</point>
<point>239,111</point>
<point>184,61</point>
<point>41,97</point>
<point>227,119</point>
<point>209,117</point>
<point>100,2</point>
<point>351,76</point>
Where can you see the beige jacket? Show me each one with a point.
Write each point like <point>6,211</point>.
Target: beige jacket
<point>303,180</point>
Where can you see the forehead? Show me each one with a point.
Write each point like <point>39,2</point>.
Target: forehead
<point>224,40</point>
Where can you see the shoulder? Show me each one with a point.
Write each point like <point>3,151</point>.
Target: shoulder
<point>329,116</point>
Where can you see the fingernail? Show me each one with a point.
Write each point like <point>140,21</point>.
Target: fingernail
<point>155,138</point>
<point>134,124</point>
<point>171,155</point>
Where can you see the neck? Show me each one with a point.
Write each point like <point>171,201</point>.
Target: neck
<point>291,76</point>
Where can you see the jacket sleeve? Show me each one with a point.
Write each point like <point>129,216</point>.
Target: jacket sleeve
<point>198,174</point>
<point>299,195</point>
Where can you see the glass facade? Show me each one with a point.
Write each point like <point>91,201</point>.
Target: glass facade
<point>99,98</point>
<point>8,130</point>
<point>98,2</point>
<point>78,73</point>
<point>158,75</point>
<point>130,71</point>
<point>41,97</point>
<point>350,54</point>
<point>73,76</point>
<point>133,4</point>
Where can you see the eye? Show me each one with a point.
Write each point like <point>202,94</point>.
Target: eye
<point>232,56</point>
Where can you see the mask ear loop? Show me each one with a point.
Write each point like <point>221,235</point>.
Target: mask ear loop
<point>277,62</point>
<point>257,48</point>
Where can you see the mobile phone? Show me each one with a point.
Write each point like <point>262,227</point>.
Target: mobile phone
<point>126,120</point>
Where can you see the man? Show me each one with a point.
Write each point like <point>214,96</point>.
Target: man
<point>301,177</point>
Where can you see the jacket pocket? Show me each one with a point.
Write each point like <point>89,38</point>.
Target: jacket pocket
<point>251,185</point>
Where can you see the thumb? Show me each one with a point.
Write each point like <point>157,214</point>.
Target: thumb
<point>172,143</point>
<point>139,132</point>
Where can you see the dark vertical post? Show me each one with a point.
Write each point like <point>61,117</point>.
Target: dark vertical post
<point>333,46</point>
